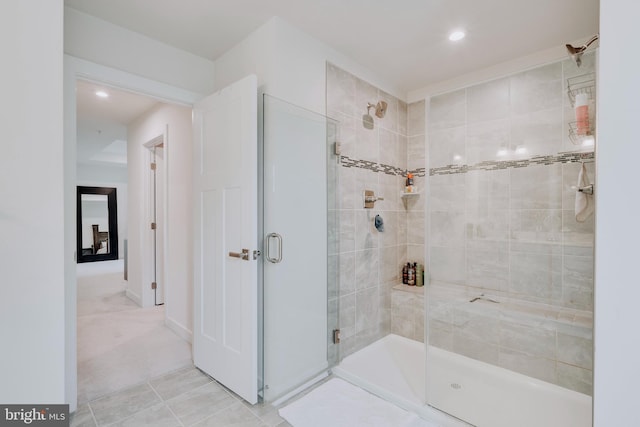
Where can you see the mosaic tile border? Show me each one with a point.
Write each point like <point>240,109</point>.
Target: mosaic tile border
<point>486,165</point>
<point>348,162</point>
<point>490,165</point>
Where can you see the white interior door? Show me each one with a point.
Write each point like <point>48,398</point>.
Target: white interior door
<point>225,341</point>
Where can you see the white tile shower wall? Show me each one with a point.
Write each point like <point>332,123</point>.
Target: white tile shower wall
<point>503,225</point>
<point>367,262</point>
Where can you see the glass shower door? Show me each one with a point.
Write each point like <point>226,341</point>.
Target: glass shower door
<point>295,246</point>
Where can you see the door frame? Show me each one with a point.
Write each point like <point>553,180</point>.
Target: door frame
<point>147,271</point>
<point>74,69</point>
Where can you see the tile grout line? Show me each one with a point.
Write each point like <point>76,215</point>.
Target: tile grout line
<point>164,402</point>
<point>239,400</point>
<point>136,413</point>
<point>92,414</point>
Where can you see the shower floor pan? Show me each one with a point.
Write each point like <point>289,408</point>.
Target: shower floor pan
<point>479,393</point>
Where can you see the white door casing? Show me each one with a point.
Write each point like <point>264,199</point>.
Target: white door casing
<point>225,336</point>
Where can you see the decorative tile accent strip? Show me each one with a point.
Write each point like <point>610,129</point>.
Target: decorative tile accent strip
<point>489,165</point>
<point>348,162</point>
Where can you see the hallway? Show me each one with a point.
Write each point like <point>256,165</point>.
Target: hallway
<point>119,343</point>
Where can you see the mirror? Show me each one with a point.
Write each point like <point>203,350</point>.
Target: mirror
<point>97,224</point>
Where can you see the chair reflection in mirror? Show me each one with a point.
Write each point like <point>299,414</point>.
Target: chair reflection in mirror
<point>100,240</point>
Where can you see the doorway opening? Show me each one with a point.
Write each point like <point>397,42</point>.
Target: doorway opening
<point>125,332</point>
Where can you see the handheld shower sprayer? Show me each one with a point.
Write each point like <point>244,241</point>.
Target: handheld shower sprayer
<point>576,52</point>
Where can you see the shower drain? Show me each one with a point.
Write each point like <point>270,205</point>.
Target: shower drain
<point>456,386</point>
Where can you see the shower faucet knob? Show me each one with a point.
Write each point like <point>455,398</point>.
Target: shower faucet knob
<point>370,198</point>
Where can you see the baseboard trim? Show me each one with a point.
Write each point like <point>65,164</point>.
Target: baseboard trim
<point>133,297</point>
<point>179,329</point>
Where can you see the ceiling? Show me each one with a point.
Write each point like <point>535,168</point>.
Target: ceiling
<point>404,42</point>
<point>102,123</point>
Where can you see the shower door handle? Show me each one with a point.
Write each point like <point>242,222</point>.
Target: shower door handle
<point>268,248</point>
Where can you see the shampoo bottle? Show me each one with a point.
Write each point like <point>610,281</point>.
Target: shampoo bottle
<point>582,114</point>
<point>419,275</point>
<point>409,187</point>
<point>412,275</point>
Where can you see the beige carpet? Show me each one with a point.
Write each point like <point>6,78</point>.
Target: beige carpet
<point>119,343</point>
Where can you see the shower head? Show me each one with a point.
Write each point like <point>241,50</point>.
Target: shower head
<point>367,121</point>
<point>576,52</point>
<point>381,108</point>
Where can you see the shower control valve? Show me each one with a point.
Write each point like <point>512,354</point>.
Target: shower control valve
<point>370,198</point>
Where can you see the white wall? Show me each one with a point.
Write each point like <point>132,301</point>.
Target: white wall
<point>179,293</point>
<point>516,65</point>
<point>104,43</point>
<point>617,281</point>
<point>32,293</point>
<point>290,65</point>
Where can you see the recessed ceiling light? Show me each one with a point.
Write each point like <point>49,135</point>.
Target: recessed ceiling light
<point>456,35</point>
<point>102,94</point>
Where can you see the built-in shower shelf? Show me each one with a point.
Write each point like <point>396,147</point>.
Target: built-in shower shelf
<point>584,83</point>
<point>409,195</point>
<point>418,290</point>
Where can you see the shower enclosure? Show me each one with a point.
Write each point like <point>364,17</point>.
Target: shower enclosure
<point>504,325</point>
<point>297,196</point>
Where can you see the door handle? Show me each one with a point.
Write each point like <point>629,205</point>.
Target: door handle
<point>268,247</point>
<point>244,255</point>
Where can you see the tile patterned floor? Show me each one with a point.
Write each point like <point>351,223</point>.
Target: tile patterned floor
<point>183,398</point>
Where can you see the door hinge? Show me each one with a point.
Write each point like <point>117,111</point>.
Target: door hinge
<point>154,285</point>
<point>337,148</point>
<point>256,254</point>
<point>336,336</point>
<point>153,225</point>
<point>153,166</point>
